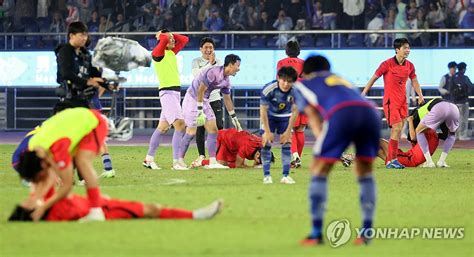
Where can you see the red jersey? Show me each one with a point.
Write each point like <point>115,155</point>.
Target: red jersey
<point>414,156</point>
<point>293,62</point>
<point>235,143</point>
<point>395,77</point>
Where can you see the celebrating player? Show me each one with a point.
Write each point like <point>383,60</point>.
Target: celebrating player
<point>278,113</point>
<point>395,72</point>
<point>198,112</point>
<point>338,116</point>
<point>207,60</point>
<point>166,68</point>
<point>234,147</point>
<point>297,138</point>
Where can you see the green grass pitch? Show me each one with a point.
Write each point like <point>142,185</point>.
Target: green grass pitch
<point>257,220</point>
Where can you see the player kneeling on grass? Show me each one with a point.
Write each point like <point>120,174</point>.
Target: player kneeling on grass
<point>234,147</point>
<point>72,137</point>
<point>338,116</point>
<point>278,113</point>
<point>76,207</point>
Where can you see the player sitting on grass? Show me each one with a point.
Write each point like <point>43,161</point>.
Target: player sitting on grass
<point>233,147</point>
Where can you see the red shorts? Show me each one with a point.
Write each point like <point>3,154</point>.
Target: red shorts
<point>223,154</point>
<point>301,120</point>
<point>395,113</point>
<point>75,207</point>
<point>96,138</point>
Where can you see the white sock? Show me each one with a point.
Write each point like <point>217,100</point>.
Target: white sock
<point>295,155</point>
<point>175,161</point>
<point>149,158</point>
<point>428,157</point>
<point>443,156</point>
<point>212,160</point>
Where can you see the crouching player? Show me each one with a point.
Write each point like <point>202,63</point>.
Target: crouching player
<point>234,147</point>
<point>338,116</point>
<point>278,113</point>
<point>71,137</point>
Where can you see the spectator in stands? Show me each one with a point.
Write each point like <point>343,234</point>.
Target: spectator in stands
<point>467,22</point>
<point>7,9</point>
<point>460,89</point>
<point>317,20</point>
<point>24,9</point>
<point>353,14</point>
<point>331,10</point>
<point>122,24</point>
<point>94,23</point>
<point>446,81</point>
<point>73,13</point>
<point>105,24</point>
<point>42,9</point>
<point>57,26</point>
<point>192,20</point>
<point>149,10</point>
<point>252,18</point>
<point>435,19</point>
<point>422,24</point>
<point>375,24</point>
<point>168,22</point>
<point>295,9</point>
<point>86,7</point>
<point>400,19</point>
<point>264,22</point>
<point>282,23</point>
<point>158,21</point>
<point>300,25</point>
<point>238,15</point>
<point>107,7</point>
<point>205,12</point>
<point>178,9</point>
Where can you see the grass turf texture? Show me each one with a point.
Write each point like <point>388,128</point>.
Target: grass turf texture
<point>257,219</point>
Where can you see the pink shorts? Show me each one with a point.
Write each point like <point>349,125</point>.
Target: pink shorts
<point>170,106</point>
<point>190,111</point>
<point>442,112</point>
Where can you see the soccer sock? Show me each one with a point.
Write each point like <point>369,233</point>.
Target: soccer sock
<point>154,142</point>
<point>212,144</point>
<point>107,162</point>
<point>317,197</point>
<point>421,138</point>
<point>200,142</point>
<point>392,149</point>
<point>448,143</point>
<point>185,142</point>
<point>173,213</point>
<point>285,158</point>
<point>367,199</point>
<point>205,162</point>
<point>266,159</point>
<point>442,157</point>
<point>300,139</point>
<point>93,194</point>
<point>175,141</point>
<point>294,142</point>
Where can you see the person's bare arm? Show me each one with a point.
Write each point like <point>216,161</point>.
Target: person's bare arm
<point>267,136</point>
<point>229,105</point>
<point>369,85</point>
<point>314,121</point>
<point>201,90</point>
<point>417,87</point>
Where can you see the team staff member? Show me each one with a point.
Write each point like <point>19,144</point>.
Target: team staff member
<point>395,72</point>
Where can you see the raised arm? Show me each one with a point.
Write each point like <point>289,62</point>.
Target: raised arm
<point>181,41</point>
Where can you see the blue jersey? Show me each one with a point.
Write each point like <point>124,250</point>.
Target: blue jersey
<point>328,93</point>
<point>279,103</point>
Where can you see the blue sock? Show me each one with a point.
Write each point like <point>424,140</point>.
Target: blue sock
<point>266,159</point>
<point>367,200</point>
<point>107,162</point>
<point>286,158</point>
<point>318,189</point>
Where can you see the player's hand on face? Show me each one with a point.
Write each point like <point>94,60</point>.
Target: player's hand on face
<point>212,58</point>
<point>157,36</point>
<point>95,82</point>
<point>267,137</point>
<point>285,137</point>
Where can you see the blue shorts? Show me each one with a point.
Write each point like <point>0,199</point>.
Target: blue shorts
<point>356,124</point>
<point>278,124</point>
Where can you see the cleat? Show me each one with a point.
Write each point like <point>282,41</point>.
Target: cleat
<point>209,211</point>
<point>267,180</point>
<point>442,165</point>
<point>361,241</point>
<point>95,214</point>
<point>216,166</point>
<point>296,163</point>
<point>347,159</point>
<point>287,180</point>
<point>108,174</point>
<point>394,164</point>
<point>151,165</point>
<point>179,165</point>
<point>198,162</point>
<point>312,241</point>
<point>428,165</point>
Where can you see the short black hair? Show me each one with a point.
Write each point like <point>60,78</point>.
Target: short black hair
<point>20,214</point>
<point>29,165</point>
<point>207,40</point>
<point>399,42</point>
<point>70,103</point>
<point>231,59</point>
<point>315,64</point>
<point>452,65</point>
<point>76,27</point>
<point>164,31</point>
<point>462,66</point>
<point>287,72</point>
<point>259,150</point>
<point>292,49</point>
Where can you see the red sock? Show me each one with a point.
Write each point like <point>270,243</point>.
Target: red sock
<point>392,149</point>
<point>205,162</point>
<point>300,140</point>
<point>294,142</point>
<point>169,213</point>
<point>94,197</point>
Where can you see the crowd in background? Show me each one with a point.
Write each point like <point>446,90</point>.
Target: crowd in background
<point>245,15</point>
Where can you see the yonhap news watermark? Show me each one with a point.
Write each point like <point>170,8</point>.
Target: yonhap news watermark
<point>339,232</point>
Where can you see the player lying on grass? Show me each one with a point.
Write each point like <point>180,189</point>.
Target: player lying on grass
<point>234,147</point>
<point>76,207</point>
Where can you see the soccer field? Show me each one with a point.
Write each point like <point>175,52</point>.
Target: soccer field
<point>257,219</point>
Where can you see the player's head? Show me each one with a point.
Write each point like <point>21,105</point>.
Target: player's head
<point>452,67</point>
<point>292,49</point>
<point>70,103</point>
<point>77,34</point>
<point>207,46</point>
<point>286,77</point>
<point>462,67</point>
<point>31,167</point>
<point>231,64</point>
<point>402,47</point>
<point>171,42</point>
<point>316,63</point>
<point>257,156</point>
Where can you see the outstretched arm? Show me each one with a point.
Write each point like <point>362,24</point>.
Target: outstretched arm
<point>369,85</point>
